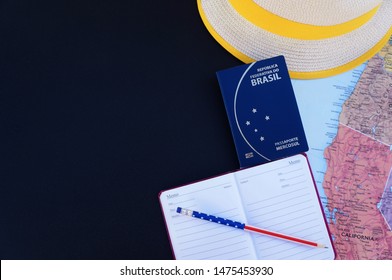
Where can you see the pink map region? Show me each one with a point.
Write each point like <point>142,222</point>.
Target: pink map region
<point>386,202</point>
<point>358,167</point>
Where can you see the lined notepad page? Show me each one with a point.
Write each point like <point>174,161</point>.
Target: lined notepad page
<point>196,239</point>
<point>281,197</point>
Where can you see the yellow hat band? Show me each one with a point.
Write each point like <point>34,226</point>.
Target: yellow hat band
<point>273,23</point>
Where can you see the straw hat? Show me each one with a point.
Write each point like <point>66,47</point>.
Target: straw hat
<point>318,38</point>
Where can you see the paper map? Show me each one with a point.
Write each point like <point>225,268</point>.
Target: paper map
<point>349,130</point>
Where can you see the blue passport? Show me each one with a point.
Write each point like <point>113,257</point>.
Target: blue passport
<point>262,110</point>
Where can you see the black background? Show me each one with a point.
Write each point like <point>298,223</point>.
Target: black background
<point>103,104</point>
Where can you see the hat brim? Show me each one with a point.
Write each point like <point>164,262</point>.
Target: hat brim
<point>306,59</point>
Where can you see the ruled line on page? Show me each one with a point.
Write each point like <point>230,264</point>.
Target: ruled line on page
<point>297,183</point>
<point>204,231</point>
<point>264,172</point>
<point>269,215</point>
<point>273,170</point>
<point>293,224</point>
<point>306,253</point>
<point>206,189</point>
<point>292,178</point>
<point>280,216</point>
<point>181,202</point>
<point>215,248</point>
<point>213,242</point>
<point>281,202</point>
<point>287,250</point>
<point>279,250</point>
<point>291,171</point>
<point>277,196</point>
<point>204,237</point>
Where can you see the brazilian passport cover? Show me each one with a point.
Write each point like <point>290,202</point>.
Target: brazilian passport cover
<point>262,111</point>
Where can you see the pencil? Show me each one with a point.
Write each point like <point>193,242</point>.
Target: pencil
<point>242,226</point>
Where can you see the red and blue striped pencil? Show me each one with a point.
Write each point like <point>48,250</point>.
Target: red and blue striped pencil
<point>242,226</point>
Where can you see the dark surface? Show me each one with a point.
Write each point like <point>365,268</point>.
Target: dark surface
<point>102,105</point>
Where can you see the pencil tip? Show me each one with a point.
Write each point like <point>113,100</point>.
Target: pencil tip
<point>322,246</point>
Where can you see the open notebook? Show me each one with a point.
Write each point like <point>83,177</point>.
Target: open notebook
<point>279,196</point>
